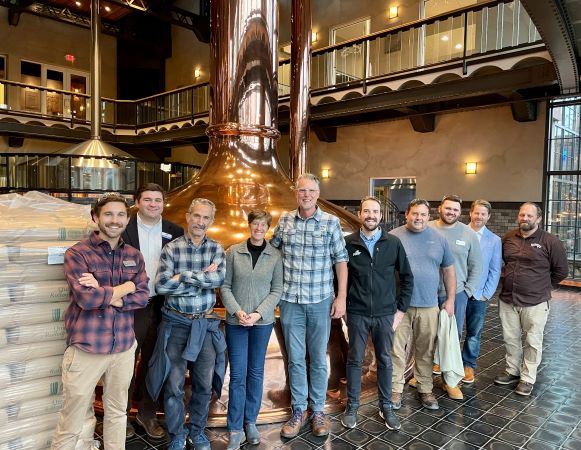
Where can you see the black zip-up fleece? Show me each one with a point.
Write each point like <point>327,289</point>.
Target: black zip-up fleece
<point>372,284</point>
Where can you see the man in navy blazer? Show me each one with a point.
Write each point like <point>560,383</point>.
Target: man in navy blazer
<point>148,232</point>
<point>491,250</point>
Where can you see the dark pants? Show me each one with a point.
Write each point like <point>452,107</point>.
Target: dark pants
<point>146,322</point>
<point>201,374</point>
<point>381,330</point>
<point>246,352</point>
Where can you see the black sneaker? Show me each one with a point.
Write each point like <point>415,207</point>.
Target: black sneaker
<point>506,378</point>
<point>391,420</point>
<point>349,419</point>
<point>524,388</point>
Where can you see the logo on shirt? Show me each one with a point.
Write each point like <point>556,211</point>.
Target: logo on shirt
<point>129,263</point>
<point>459,242</point>
<point>357,253</point>
<point>536,245</point>
<point>166,235</point>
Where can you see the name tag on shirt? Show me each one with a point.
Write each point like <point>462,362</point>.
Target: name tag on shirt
<point>166,235</point>
<point>459,242</point>
<point>129,263</point>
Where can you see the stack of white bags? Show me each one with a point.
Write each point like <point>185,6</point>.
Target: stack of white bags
<point>35,231</point>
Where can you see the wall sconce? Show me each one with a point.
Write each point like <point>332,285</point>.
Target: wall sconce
<point>325,174</point>
<point>314,36</point>
<point>471,168</point>
<point>393,12</point>
<point>197,72</point>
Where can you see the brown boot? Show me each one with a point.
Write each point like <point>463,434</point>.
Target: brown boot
<point>293,426</point>
<point>319,424</point>
<point>468,375</point>
<point>429,401</point>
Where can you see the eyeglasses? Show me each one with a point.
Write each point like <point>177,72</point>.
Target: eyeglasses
<point>307,191</point>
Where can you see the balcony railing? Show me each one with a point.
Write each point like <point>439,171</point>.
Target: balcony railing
<point>455,37</point>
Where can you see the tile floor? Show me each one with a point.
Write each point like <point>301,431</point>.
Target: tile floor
<point>490,417</point>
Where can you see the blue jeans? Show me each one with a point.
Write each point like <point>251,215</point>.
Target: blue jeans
<point>381,329</point>
<point>475,314</point>
<point>301,323</point>
<point>201,373</point>
<point>246,353</point>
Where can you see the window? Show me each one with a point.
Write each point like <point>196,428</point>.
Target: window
<point>52,101</point>
<point>562,196</point>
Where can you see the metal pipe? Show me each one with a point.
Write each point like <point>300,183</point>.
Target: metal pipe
<point>95,70</point>
<point>300,83</point>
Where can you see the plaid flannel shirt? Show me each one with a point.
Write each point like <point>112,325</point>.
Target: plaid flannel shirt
<point>194,291</point>
<point>310,248</point>
<point>92,324</point>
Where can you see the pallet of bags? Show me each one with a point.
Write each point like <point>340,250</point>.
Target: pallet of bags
<point>35,232</point>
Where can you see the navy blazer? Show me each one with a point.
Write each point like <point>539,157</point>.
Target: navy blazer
<point>169,229</point>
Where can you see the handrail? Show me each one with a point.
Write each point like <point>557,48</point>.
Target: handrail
<point>395,50</point>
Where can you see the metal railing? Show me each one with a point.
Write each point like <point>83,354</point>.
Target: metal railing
<point>455,37</point>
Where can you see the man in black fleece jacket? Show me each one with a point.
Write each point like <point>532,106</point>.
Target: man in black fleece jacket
<point>374,305</point>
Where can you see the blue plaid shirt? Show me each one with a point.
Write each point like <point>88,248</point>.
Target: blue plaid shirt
<point>194,291</point>
<point>310,248</point>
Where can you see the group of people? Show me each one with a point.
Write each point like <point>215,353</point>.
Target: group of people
<point>390,287</point>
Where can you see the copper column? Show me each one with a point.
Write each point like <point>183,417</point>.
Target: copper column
<point>300,85</point>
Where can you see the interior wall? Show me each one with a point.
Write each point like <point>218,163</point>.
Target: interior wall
<point>509,156</point>
<point>187,54</point>
<point>47,41</point>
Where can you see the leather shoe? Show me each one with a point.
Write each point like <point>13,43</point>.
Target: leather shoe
<point>129,430</point>
<point>319,424</point>
<point>151,426</point>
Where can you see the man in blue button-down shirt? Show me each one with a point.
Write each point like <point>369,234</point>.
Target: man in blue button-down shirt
<point>312,243</point>
<point>190,268</point>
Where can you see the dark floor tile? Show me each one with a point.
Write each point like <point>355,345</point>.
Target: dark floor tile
<point>396,438</point>
<point>522,428</point>
<point>572,444</point>
<point>549,436</point>
<point>484,428</point>
<point>480,404</point>
<point>473,438</point>
<point>459,419</point>
<point>530,419</point>
<point>372,427</point>
<point>512,438</point>
<point>459,445</point>
<point>378,444</point>
<point>368,410</point>
<point>498,445</point>
<point>447,428</point>
<point>300,444</point>
<point>417,444</point>
<point>423,419</point>
<point>357,437</point>
<point>412,428</point>
<point>504,412</point>
<point>492,419</point>
<point>137,444</point>
<point>433,437</point>
<point>534,444</point>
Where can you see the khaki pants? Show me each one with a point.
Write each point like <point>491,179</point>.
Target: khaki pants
<point>422,325</point>
<point>81,373</point>
<point>523,360</point>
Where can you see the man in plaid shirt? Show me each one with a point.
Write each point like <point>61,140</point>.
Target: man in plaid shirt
<point>312,243</point>
<point>107,281</point>
<point>190,268</point>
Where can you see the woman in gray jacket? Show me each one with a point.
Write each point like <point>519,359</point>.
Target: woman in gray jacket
<point>250,293</point>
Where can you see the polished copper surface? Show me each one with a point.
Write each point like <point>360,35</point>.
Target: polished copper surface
<point>300,83</point>
<point>243,173</point>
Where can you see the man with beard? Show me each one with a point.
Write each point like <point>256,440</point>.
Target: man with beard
<point>464,245</point>
<point>191,267</point>
<point>534,260</point>
<point>108,282</point>
<point>373,306</point>
<point>428,253</point>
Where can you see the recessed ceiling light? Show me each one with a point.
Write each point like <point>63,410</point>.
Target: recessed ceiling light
<point>458,46</point>
<point>107,9</point>
<point>445,38</point>
<point>78,3</point>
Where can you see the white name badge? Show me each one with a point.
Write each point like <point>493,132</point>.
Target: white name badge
<point>166,235</point>
<point>459,242</point>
